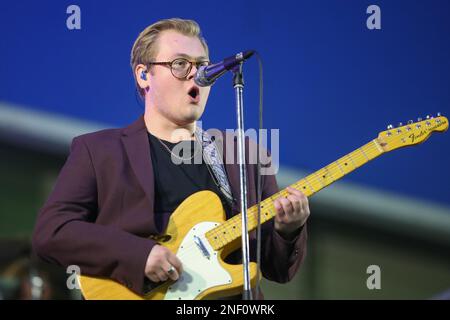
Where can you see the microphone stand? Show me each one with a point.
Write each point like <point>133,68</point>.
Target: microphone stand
<point>238,84</point>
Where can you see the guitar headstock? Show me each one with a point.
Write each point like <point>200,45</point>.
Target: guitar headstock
<point>412,133</point>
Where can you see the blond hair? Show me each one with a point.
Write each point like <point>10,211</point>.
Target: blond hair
<point>145,50</point>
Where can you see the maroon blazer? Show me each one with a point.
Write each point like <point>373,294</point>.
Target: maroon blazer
<point>100,213</point>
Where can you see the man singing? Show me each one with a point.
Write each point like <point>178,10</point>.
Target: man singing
<point>118,187</point>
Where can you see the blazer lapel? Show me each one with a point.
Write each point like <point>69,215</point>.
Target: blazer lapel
<point>135,140</point>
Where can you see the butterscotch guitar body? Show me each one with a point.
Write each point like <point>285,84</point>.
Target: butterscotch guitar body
<point>202,239</point>
<point>205,274</point>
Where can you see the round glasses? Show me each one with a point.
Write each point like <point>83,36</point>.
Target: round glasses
<point>181,67</point>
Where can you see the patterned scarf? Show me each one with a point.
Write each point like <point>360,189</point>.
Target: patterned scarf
<point>213,158</point>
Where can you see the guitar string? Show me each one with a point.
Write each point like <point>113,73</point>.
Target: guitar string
<point>370,147</point>
<point>332,166</point>
<point>367,152</point>
<point>218,233</point>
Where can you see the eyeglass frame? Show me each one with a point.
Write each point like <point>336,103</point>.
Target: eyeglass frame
<point>169,64</point>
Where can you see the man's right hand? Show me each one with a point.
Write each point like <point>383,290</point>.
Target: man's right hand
<point>160,262</point>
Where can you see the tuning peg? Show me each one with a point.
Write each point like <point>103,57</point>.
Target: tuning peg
<point>389,127</point>
<point>438,114</point>
<point>428,116</point>
<point>410,121</point>
<point>419,119</point>
<point>400,124</point>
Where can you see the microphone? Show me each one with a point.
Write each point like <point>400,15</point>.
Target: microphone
<point>207,75</point>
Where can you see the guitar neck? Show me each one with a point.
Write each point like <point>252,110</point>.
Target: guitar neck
<point>231,230</point>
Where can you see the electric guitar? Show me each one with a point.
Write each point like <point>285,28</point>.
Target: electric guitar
<point>201,237</point>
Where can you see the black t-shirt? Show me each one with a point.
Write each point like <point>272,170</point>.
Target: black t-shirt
<point>175,182</point>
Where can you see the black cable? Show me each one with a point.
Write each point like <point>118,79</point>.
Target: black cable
<point>258,177</point>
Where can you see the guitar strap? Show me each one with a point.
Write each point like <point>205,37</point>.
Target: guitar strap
<point>214,160</point>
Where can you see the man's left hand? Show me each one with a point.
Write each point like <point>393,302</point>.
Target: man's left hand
<point>292,213</point>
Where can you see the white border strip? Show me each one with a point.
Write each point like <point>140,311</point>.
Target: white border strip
<point>360,203</point>
<point>42,126</point>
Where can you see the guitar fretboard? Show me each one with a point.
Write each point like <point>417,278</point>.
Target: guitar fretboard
<point>231,230</point>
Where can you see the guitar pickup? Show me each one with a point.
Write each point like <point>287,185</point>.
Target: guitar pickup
<point>202,247</point>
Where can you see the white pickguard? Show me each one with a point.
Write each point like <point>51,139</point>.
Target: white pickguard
<point>199,272</point>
